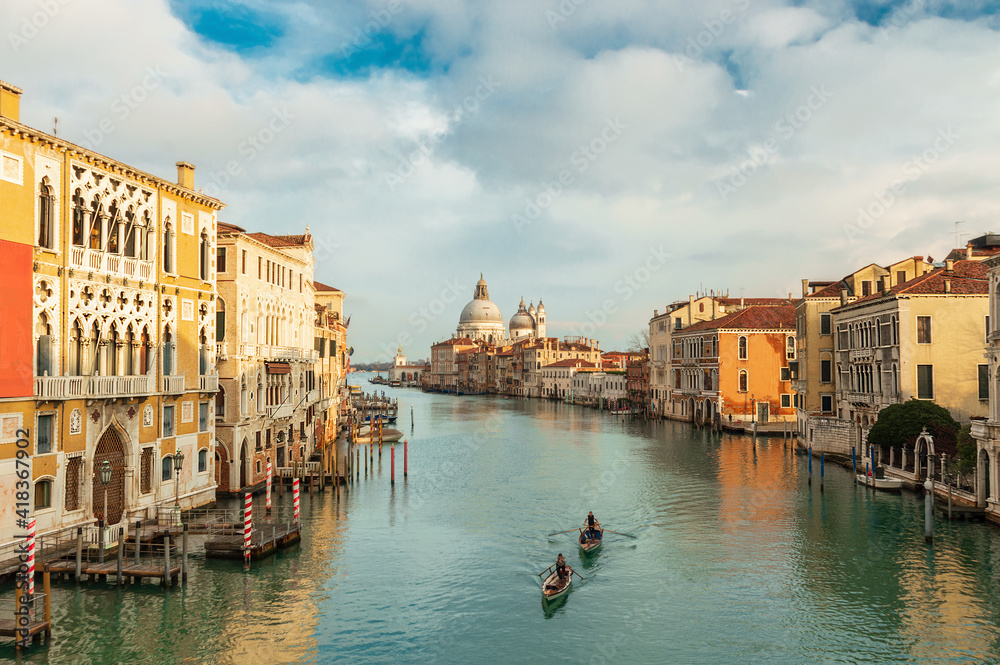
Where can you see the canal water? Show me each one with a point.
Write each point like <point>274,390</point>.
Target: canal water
<point>736,559</point>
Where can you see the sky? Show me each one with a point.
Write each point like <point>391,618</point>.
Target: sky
<point>606,157</point>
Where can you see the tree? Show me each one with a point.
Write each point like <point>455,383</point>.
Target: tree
<point>639,341</point>
<point>900,425</point>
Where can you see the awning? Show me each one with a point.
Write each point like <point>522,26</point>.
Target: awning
<point>278,368</point>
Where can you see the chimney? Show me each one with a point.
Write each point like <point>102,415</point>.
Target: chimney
<point>10,101</point>
<point>843,297</point>
<point>947,285</point>
<point>690,309</point>
<point>949,264</point>
<point>968,251</point>
<point>185,175</point>
<point>742,302</point>
<point>805,288</point>
<point>656,313</point>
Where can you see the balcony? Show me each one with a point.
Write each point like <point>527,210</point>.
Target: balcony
<point>857,355</point>
<point>221,351</point>
<point>867,399</point>
<point>208,383</point>
<point>172,385</point>
<point>279,412</point>
<point>109,387</point>
<point>312,397</point>
<point>115,265</point>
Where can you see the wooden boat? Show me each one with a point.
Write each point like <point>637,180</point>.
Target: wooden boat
<point>591,545</point>
<point>887,484</point>
<point>552,587</point>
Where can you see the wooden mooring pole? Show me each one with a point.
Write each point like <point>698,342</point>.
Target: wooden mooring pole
<point>404,458</point>
<point>79,552</point>
<point>166,559</point>
<point>392,477</point>
<point>184,554</point>
<point>121,557</point>
<point>810,466</point>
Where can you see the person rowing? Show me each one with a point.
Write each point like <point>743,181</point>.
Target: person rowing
<point>562,568</point>
<point>592,526</point>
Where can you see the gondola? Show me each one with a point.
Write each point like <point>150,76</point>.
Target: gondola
<point>553,587</point>
<point>589,542</point>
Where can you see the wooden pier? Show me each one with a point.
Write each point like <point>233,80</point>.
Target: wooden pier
<point>265,540</point>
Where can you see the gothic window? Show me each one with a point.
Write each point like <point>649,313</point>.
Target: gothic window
<point>220,320</point>
<point>43,349</point>
<point>79,207</point>
<point>130,233</point>
<point>46,232</point>
<point>74,470</point>
<point>203,256</point>
<point>96,225</point>
<point>149,245</point>
<point>742,347</point>
<point>168,251</point>
<point>744,381</point>
<point>168,353</point>
<point>76,347</point>
<point>114,241</point>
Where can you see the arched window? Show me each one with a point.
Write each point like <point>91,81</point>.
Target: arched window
<point>76,346</point>
<point>130,233</point>
<point>895,331</point>
<point>46,216</point>
<point>168,251</point>
<point>114,341</point>
<point>129,356</point>
<point>149,245</point>
<point>220,404</point>
<point>167,468</point>
<point>43,348</point>
<point>203,460</point>
<point>96,225</point>
<point>790,348</point>
<point>744,381</point>
<point>203,256</point>
<point>220,320</point>
<point>114,246</point>
<point>742,347</point>
<point>243,397</point>
<point>168,353</point>
<point>143,352</point>
<point>79,208</point>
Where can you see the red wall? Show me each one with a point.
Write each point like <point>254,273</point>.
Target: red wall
<point>16,354</point>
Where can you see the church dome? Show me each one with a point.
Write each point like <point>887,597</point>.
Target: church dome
<point>521,320</point>
<point>481,311</point>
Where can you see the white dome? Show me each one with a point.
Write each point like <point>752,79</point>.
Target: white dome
<point>521,321</point>
<point>480,311</point>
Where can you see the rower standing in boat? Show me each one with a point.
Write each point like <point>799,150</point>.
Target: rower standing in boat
<point>561,567</point>
<point>592,525</point>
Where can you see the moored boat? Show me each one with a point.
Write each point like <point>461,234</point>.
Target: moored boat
<point>553,587</point>
<point>887,484</point>
<point>591,539</point>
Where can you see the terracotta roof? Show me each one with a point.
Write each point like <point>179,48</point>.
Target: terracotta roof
<point>831,291</point>
<point>456,340</point>
<point>226,227</point>
<point>319,286</point>
<point>753,317</point>
<point>752,301</point>
<point>967,278</point>
<point>571,362</point>
<point>280,241</point>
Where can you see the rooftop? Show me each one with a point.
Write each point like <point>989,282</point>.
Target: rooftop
<point>756,317</point>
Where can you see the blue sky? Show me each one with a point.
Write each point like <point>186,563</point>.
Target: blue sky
<point>557,147</point>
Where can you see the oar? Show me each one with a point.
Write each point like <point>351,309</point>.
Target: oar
<point>580,576</point>
<point>566,531</point>
<point>622,534</point>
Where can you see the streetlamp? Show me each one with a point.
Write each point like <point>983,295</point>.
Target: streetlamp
<point>178,464</point>
<point>104,473</point>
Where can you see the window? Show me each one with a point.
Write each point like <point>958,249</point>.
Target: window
<point>795,400</point>
<point>203,417</point>
<point>984,382</point>
<point>900,276</point>
<point>45,434</point>
<point>260,268</point>
<point>146,471</point>
<point>923,330</point>
<point>742,348</point>
<point>987,327</point>
<point>43,494</point>
<point>826,403</point>
<point>825,323</point>
<point>168,420</point>
<point>790,348</point>
<point>168,252</point>
<point>786,374</point>
<point>167,469</point>
<point>866,288</point>
<point>203,460</point>
<point>843,342</point>
<point>220,320</point>
<point>925,381</point>
<point>74,472</point>
<point>45,217</point>
<point>786,401</point>
<point>243,262</point>
<point>203,257</point>
<point>744,381</point>
<point>220,260</point>
<point>826,371</point>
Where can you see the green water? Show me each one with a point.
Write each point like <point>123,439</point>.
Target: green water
<point>736,560</point>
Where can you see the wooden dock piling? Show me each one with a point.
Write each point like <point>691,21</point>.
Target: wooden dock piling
<point>392,479</point>
<point>79,551</point>
<point>184,554</point>
<point>121,557</point>
<point>166,559</point>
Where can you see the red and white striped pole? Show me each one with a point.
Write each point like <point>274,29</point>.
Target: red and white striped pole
<point>247,524</point>
<point>267,503</point>
<point>295,499</point>
<point>31,557</point>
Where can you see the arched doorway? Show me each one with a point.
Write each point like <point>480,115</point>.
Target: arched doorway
<point>923,453</point>
<point>983,479</point>
<point>111,447</point>
<point>221,467</point>
<point>244,464</point>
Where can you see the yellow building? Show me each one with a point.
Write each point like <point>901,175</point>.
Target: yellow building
<point>921,339</point>
<point>331,345</point>
<point>109,316</point>
<point>813,373</point>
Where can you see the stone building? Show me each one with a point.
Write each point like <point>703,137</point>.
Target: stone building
<point>329,412</point>
<point>268,382</point>
<point>106,352</point>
